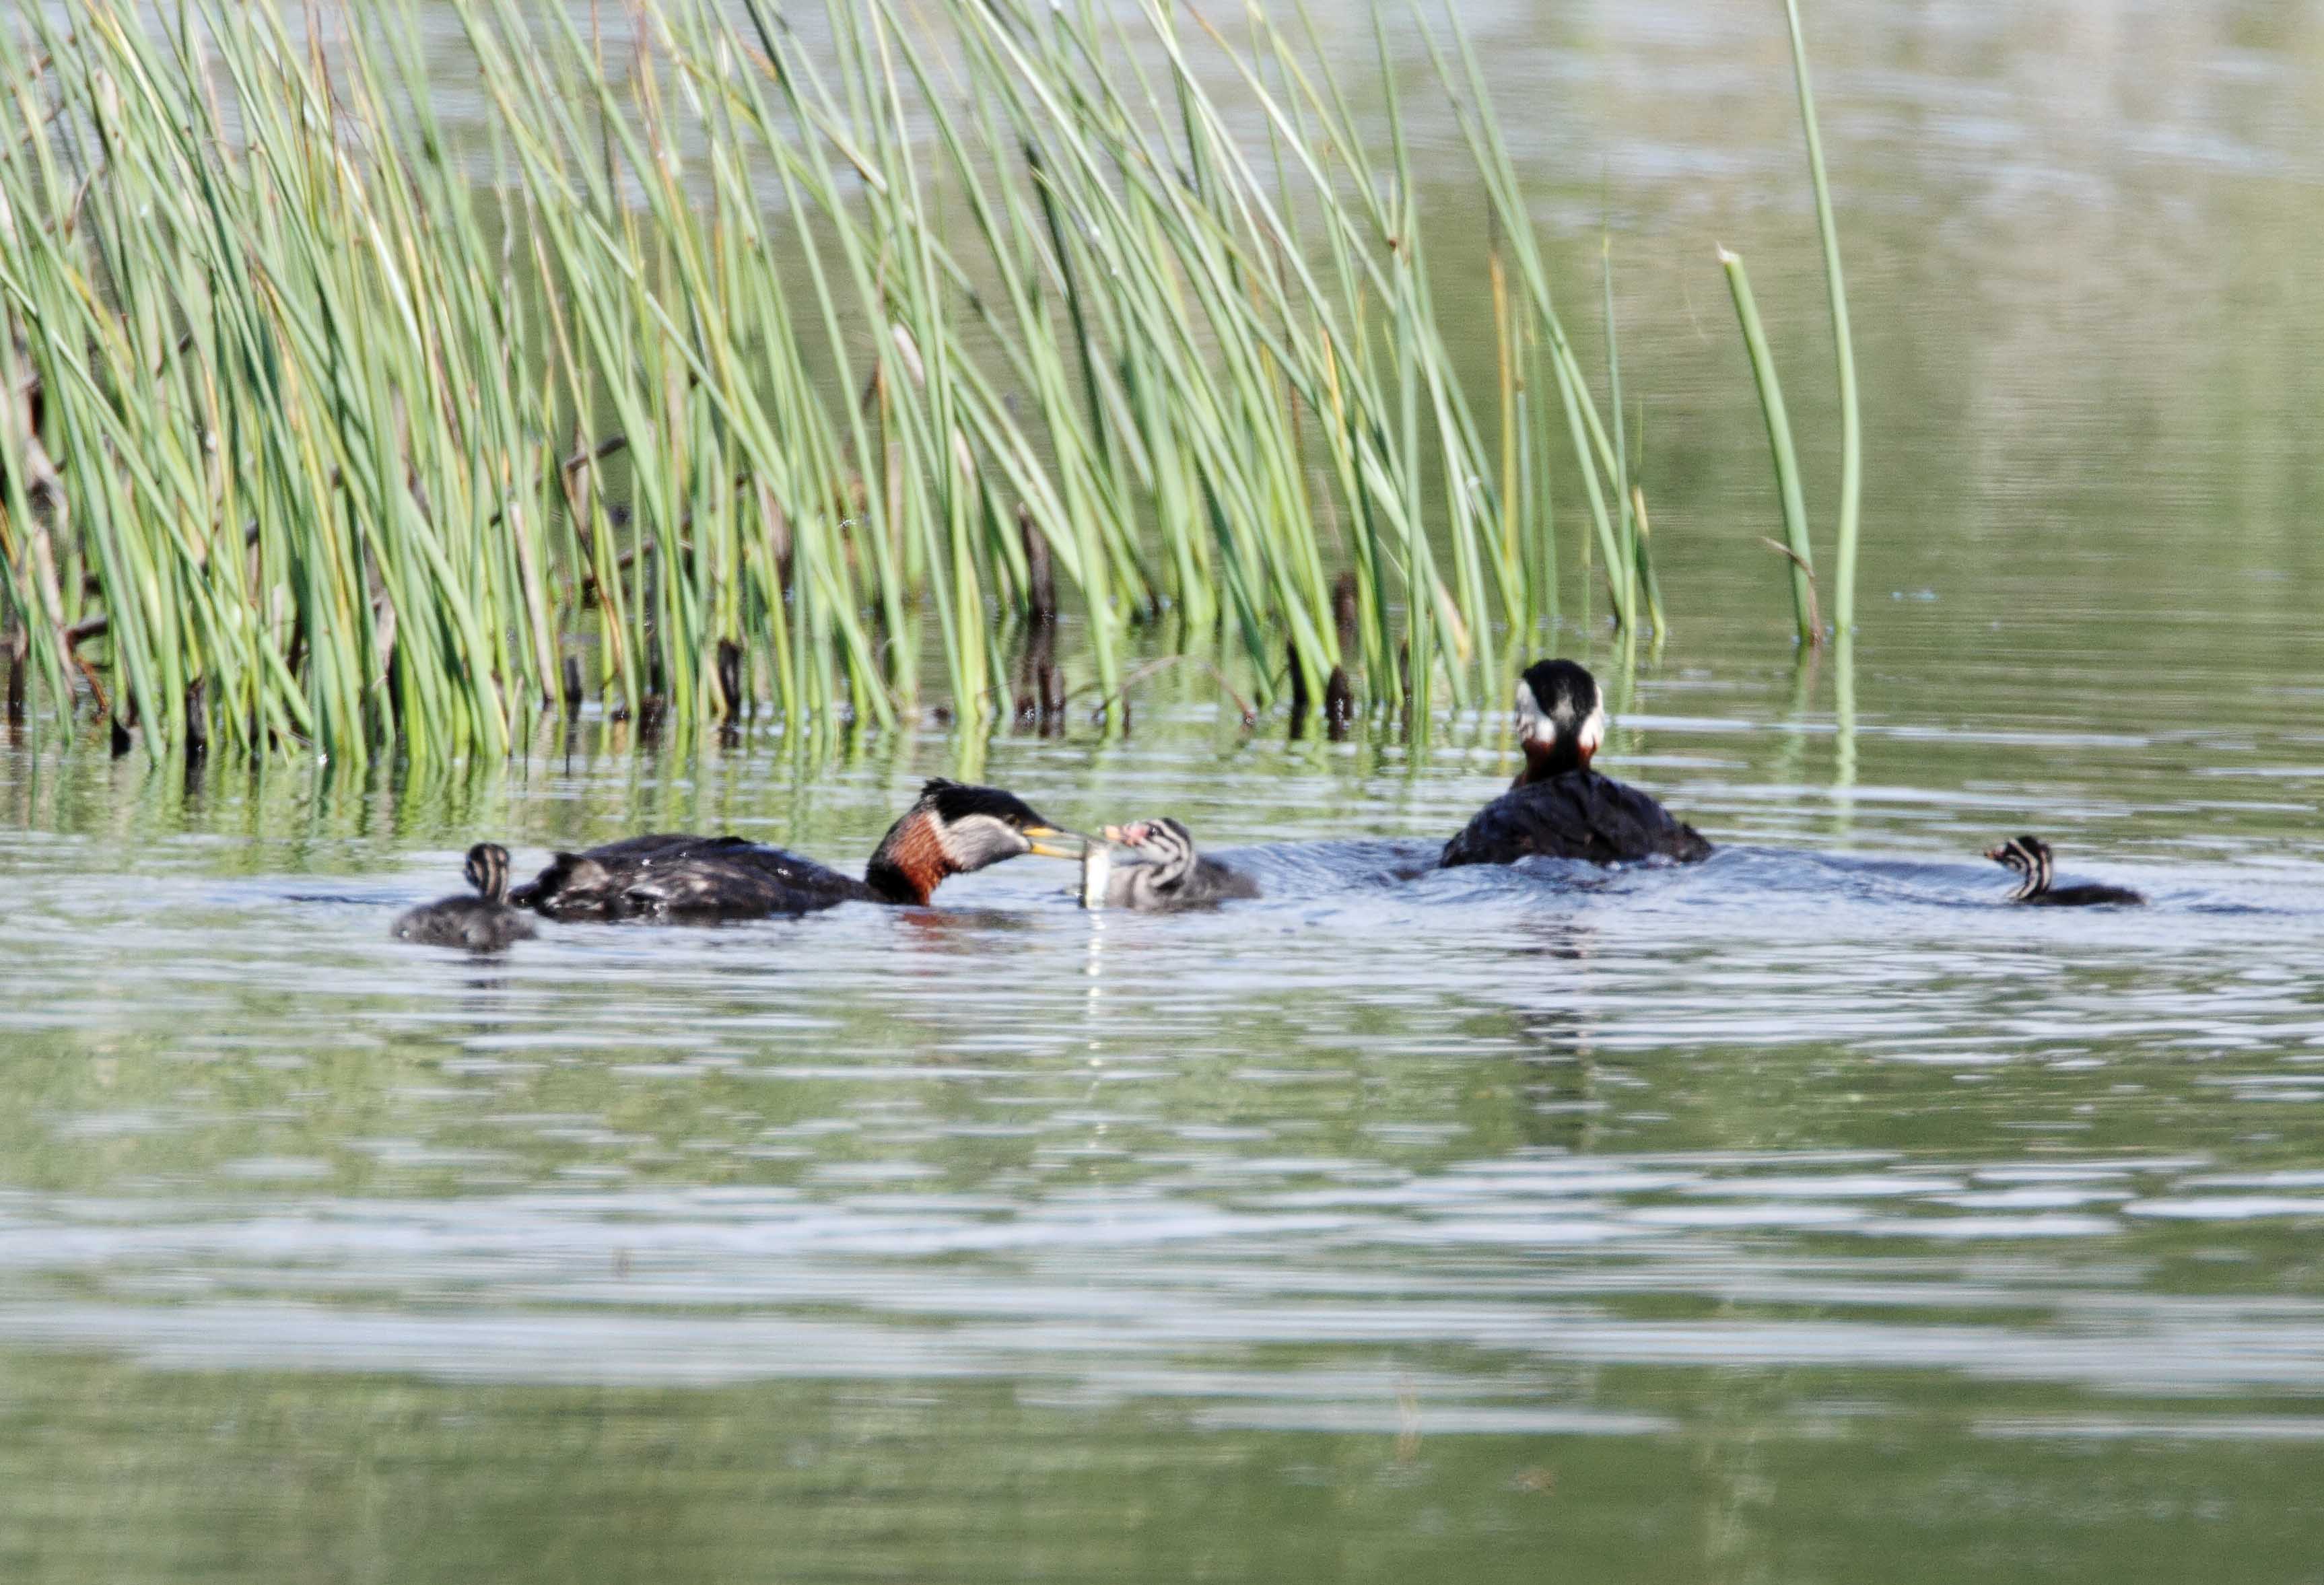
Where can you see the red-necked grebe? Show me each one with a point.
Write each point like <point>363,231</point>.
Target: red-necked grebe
<point>951,829</point>
<point>1559,807</point>
<point>2029,857</point>
<point>1159,871</point>
<point>482,923</point>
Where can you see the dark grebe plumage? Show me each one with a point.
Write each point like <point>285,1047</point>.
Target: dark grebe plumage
<point>951,829</point>
<point>482,923</point>
<point>2029,856</point>
<point>1559,807</point>
<point>1162,872</point>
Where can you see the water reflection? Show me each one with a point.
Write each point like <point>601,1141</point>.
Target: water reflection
<point>1843,714</point>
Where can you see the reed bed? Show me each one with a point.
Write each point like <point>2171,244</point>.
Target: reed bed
<point>729,367</point>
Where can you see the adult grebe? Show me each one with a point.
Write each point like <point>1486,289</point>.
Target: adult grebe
<point>2029,857</point>
<point>950,830</point>
<point>482,923</point>
<point>1164,871</point>
<point>1559,807</point>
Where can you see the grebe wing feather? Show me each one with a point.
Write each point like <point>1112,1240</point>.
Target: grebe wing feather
<point>697,876</point>
<point>744,881</point>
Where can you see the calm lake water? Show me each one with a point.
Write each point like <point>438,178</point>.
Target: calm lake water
<point>1808,1215</point>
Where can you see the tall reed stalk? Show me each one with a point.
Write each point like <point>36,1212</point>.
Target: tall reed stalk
<point>1851,443</point>
<point>1771,400</point>
<point>1795,546</point>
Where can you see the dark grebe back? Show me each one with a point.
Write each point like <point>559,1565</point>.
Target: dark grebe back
<point>1579,814</point>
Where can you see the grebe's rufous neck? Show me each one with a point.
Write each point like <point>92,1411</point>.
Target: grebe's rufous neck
<point>2029,856</point>
<point>956,829</point>
<point>951,829</point>
<point>482,923</point>
<point>1161,870</point>
<point>1561,719</point>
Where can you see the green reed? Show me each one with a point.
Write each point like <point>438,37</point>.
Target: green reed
<point>1795,546</point>
<point>1851,445</point>
<point>724,372</point>
<point>1771,397</point>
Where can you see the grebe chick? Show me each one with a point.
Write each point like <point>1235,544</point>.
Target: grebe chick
<point>951,829</point>
<point>2029,857</point>
<point>482,923</point>
<point>1162,872</point>
<point>1559,807</point>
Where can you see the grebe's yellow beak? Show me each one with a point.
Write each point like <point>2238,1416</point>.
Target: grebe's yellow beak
<point>1055,841</point>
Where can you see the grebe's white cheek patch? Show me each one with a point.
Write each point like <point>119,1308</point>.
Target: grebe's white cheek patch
<point>1530,719</point>
<point>1593,730</point>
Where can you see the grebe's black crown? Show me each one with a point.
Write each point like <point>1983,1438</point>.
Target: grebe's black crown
<point>955,801</point>
<point>1562,683</point>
